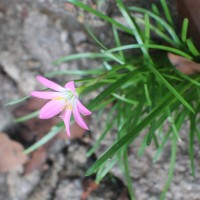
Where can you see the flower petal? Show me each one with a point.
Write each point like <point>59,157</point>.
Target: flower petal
<point>66,119</point>
<point>50,84</point>
<point>79,120</point>
<point>82,109</point>
<point>70,86</point>
<point>51,109</point>
<point>45,95</point>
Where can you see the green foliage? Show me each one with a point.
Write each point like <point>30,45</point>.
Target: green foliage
<point>142,86</point>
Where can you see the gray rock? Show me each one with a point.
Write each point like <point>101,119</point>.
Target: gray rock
<point>69,189</point>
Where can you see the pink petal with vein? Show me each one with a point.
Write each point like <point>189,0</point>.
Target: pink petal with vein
<point>70,86</point>
<point>45,95</point>
<point>51,109</point>
<point>66,119</point>
<point>79,120</point>
<point>82,109</point>
<point>50,84</point>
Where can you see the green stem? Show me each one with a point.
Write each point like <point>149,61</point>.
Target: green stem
<point>171,168</point>
<point>128,178</point>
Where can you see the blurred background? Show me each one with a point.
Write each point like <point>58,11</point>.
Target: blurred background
<point>33,35</point>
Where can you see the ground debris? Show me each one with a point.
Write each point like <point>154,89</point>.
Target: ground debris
<point>11,154</point>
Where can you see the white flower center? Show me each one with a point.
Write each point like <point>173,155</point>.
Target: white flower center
<point>69,99</point>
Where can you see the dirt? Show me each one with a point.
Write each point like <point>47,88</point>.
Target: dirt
<point>33,35</point>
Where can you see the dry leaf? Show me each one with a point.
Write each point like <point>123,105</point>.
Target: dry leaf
<point>11,153</point>
<point>34,129</point>
<point>37,160</point>
<point>184,65</point>
<point>88,187</point>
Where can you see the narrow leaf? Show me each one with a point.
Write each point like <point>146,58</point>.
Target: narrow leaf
<point>55,130</point>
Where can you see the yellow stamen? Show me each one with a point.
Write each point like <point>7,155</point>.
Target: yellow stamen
<point>58,98</point>
<point>67,104</point>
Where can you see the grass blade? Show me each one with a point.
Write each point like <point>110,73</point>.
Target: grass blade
<point>55,130</point>
<point>89,55</point>
<point>75,72</point>
<point>111,89</point>
<point>133,134</point>
<point>191,141</point>
<point>101,15</point>
<point>152,46</point>
<point>124,99</point>
<point>95,38</point>
<point>157,31</point>
<point>11,103</point>
<point>192,47</point>
<point>166,12</point>
<point>105,169</point>
<point>27,117</point>
<point>127,176</point>
<point>171,168</point>
<point>147,29</point>
<point>165,25</point>
<point>184,30</point>
<point>117,41</point>
<point>146,91</point>
<point>179,121</point>
<point>133,26</point>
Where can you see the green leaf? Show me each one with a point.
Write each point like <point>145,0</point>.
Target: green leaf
<point>124,99</point>
<point>134,133</point>
<point>89,55</point>
<point>132,25</point>
<point>161,147</point>
<point>191,141</point>
<point>128,177</point>
<point>167,12</point>
<point>159,19</point>
<point>156,30</point>
<point>147,29</point>
<point>151,134</point>
<point>179,121</point>
<point>95,38</point>
<point>101,15</point>
<point>152,46</point>
<point>172,89</point>
<point>146,91</point>
<point>109,124</point>
<point>173,125</point>
<point>171,168</point>
<point>117,41</point>
<point>75,72</point>
<point>156,11</point>
<point>184,30</point>
<point>111,89</point>
<point>105,169</point>
<point>16,101</point>
<point>97,143</point>
<point>191,80</point>
<point>192,47</point>
<point>27,117</point>
<point>138,111</point>
<point>143,146</point>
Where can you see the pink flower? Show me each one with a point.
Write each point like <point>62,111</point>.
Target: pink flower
<point>64,100</point>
